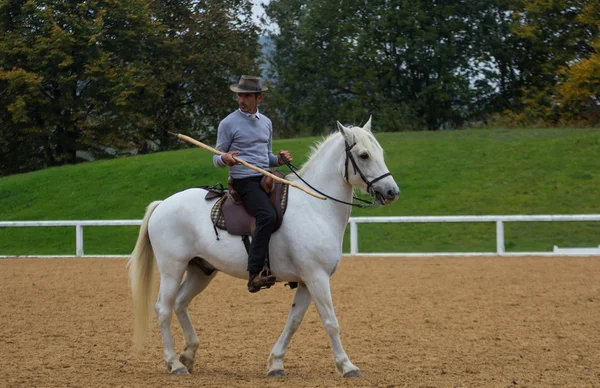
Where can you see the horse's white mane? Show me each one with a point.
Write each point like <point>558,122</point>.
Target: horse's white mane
<point>364,139</point>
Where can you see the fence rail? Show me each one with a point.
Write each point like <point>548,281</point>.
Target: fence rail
<point>353,222</point>
<point>498,219</point>
<point>79,252</point>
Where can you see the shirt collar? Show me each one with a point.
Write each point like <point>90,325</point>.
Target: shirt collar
<point>257,115</point>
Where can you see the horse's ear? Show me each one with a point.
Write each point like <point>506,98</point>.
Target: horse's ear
<point>367,126</point>
<point>342,129</point>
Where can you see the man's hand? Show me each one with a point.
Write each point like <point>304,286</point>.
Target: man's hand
<point>228,158</point>
<point>284,155</point>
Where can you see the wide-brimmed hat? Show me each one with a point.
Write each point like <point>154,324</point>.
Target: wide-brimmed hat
<point>248,84</point>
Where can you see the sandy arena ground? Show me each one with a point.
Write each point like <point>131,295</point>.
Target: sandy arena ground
<point>410,322</point>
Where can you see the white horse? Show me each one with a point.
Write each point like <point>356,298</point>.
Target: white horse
<point>306,249</point>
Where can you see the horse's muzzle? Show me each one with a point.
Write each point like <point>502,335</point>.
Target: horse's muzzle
<point>385,197</point>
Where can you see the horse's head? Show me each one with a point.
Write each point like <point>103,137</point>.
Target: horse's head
<point>365,167</point>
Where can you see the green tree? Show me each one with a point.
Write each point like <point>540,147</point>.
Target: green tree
<point>579,88</point>
<point>105,76</point>
<point>426,64</point>
<point>493,69</point>
<point>209,45</point>
<point>551,35</point>
<point>409,63</point>
<point>57,57</point>
<point>579,95</point>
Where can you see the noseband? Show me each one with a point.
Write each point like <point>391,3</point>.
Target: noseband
<point>350,157</point>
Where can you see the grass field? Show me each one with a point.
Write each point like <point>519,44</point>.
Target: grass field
<point>467,172</point>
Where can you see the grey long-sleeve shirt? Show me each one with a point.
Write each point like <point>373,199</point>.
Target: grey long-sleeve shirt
<point>252,137</point>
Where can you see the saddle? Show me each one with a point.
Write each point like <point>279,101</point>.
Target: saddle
<point>230,214</point>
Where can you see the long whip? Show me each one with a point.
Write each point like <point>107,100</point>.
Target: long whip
<point>250,166</point>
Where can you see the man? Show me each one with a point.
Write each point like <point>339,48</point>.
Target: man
<point>248,134</point>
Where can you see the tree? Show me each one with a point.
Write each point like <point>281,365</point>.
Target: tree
<point>579,89</point>
<point>426,64</point>
<point>107,76</point>
<point>58,57</point>
<point>579,95</point>
<point>209,45</point>
<point>406,62</point>
<point>551,35</point>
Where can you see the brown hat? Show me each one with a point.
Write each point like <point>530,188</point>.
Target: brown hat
<point>248,84</point>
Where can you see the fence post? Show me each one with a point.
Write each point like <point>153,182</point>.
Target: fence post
<point>78,240</point>
<point>353,238</point>
<point>500,237</point>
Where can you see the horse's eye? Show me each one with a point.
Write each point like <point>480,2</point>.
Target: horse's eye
<point>364,156</point>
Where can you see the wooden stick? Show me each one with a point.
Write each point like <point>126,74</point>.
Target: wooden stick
<point>251,166</point>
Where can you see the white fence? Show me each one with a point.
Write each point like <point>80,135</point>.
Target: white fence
<point>499,220</point>
<point>79,252</point>
<point>353,222</point>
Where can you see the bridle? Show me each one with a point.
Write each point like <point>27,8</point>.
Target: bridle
<point>349,157</point>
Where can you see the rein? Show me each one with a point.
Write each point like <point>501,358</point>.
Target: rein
<point>356,169</point>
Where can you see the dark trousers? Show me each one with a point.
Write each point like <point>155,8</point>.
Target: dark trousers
<point>257,202</point>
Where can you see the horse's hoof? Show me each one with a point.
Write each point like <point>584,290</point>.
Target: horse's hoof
<point>353,373</point>
<point>187,362</point>
<point>180,372</point>
<point>276,373</point>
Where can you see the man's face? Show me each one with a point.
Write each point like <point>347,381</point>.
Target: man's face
<point>248,101</point>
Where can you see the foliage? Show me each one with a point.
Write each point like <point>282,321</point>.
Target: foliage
<point>210,44</point>
<point>58,57</point>
<point>113,77</point>
<point>579,91</point>
<point>552,35</point>
<point>405,62</point>
<point>103,75</point>
<point>426,64</point>
<point>579,94</point>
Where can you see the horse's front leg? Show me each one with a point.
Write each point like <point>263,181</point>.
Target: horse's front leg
<point>299,306</point>
<point>319,288</point>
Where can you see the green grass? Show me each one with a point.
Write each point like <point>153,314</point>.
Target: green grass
<point>468,172</point>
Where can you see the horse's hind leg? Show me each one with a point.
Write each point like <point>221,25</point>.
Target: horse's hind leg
<point>195,282</point>
<point>299,305</point>
<point>319,288</point>
<point>171,273</point>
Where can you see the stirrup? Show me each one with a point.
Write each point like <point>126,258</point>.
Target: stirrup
<point>266,272</point>
<point>267,281</point>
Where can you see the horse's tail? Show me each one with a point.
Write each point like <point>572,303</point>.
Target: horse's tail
<point>141,278</point>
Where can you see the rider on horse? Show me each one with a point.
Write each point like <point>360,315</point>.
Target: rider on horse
<point>249,134</point>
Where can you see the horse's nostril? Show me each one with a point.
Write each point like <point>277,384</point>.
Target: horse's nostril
<point>393,193</point>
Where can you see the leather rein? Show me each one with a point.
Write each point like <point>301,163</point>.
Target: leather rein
<point>349,157</point>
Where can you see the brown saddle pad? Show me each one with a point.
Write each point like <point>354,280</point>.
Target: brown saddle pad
<point>229,214</point>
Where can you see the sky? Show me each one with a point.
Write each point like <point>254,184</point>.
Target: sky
<point>257,10</point>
